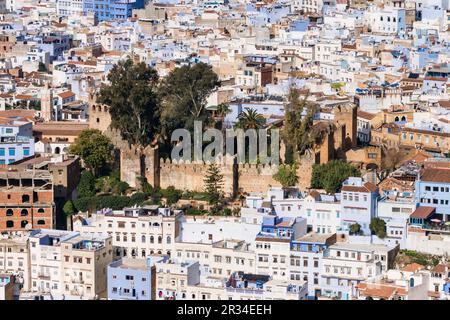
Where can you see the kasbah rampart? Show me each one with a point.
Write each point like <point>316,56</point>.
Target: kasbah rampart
<point>238,178</point>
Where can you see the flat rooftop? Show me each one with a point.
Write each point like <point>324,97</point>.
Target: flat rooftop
<point>126,263</point>
<point>361,247</point>
<point>313,237</point>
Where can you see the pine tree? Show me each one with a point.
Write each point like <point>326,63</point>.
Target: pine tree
<point>86,186</point>
<point>214,184</point>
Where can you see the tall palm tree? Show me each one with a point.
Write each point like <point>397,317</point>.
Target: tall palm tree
<point>220,113</point>
<point>250,119</point>
<point>222,110</point>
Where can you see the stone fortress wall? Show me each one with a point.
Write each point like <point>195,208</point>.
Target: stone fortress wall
<point>190,176</point>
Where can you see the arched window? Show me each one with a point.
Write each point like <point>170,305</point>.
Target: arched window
<point>152,239</point>
<point>143,253</point>
<point>23,223</point>
<point>57,150</point>
<point>396,119</point>
<point>403,118</point>
<point>152,252</point>
<point>169,240</point>
<point>25,198</point>
<point>143,238</point>
<point>41,210</point>
<point>24,212</point>
<point>9,212</point>
<point>133,253</point>
<point>159,252</point>
<point>10,224</point>
<point>117,251</point>
<point>159,239</point>
<point>156,224</point>
<point>41,222</point>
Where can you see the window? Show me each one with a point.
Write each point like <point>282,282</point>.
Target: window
<point>24,212</point>
<point>12,151</point>
<point>9,212</point>
<point>128,277</point>
<point>169,240</point>
<point>10,224</point>
<point>26,151</point>
<point>159,239</point>
<point>152,239</point>
<point>2,152</point>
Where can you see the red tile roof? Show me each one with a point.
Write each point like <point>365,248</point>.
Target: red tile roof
<point>366,187</point>
<point>66,94</point>
<point>413,267</point>
<point>436,175</point>
<point>423,212</point>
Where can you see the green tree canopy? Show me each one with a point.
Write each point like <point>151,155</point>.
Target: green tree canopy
<point>378,226</point>
<point>355,229</point>
<point>297,133</point>
<point>133,102</point>
<point>94,148</point>
<point>214,184</point>
<point>69,208</point>
<point>331,175</point>
<point>86,186</point>
<point>287,175</point>
<point>172,195</point>
<point>250,119</point>
<point>184,92</point>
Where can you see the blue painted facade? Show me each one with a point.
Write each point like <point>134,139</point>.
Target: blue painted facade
<point>130,281</point>
<point>270,227</point>
<point>16,140</point>
<point>112,9</point>
<point>433,194</point>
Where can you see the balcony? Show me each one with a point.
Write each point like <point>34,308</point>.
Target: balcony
<point>445,228</point>
<point>77,280</point>
<point>245,291</point>
<point>43,276</point>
